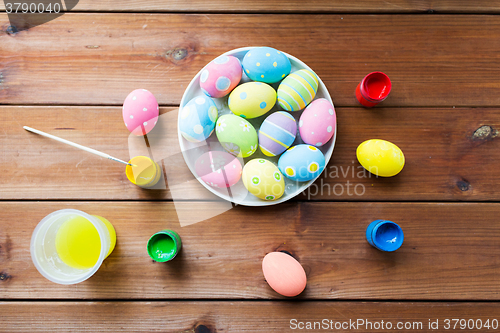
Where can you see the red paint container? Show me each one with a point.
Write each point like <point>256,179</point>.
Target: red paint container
<point>373,89</point>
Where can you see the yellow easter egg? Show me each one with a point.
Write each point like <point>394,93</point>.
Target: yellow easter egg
<point>263,179</point>
<point>380,157</point>
<point>252,99</point>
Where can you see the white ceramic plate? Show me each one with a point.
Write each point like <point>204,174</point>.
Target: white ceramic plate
<point>238,193</point>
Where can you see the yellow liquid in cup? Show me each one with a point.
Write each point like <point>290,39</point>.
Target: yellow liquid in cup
<point>145,172</point>
<point>78,243</point>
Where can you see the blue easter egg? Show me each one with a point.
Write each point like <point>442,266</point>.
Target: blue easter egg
<point>302,163</point>
<point>198,118</point>
<point>265,64</point>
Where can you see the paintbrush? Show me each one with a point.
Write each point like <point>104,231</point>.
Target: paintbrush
<point>76,145</point>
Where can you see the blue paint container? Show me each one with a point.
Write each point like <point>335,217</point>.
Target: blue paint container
<point>384,235</point>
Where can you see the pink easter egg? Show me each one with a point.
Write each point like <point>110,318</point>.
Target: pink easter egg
<point>218,169</point>
<point>318,122</point>
<point>140,112</point>
<point>284,274</point>
<point>220,76</point>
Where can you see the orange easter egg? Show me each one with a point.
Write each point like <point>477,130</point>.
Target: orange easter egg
<point>284,274</point>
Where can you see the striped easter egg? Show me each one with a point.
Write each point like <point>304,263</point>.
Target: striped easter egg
<point>297,90</point>
<point>277,133</point>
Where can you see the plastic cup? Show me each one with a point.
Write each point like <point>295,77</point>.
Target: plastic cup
<point>384,235</point>
<point>146,172</point>
<point>44,251</point>
<point>164,245</point>
<point>373,89</point>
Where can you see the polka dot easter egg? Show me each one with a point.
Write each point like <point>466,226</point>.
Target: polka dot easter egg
<point>318,122</point>
<point>263,179</point>
<point>236,135</point>
<point>302,163</point>
<point>140,112</point>
<point>218,169</point>
<point>277,133</point>
<point>220,76</point>
<point>197,119</point>
<point>266,64</point>
<point>252,99</point>
<point>297,90</point>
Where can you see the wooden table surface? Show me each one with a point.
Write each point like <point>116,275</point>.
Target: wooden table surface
<point>70,76</point>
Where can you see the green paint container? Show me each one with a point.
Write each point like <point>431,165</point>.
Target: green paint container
<point>164,245</point>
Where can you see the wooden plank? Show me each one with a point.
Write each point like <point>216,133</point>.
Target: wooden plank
<point>281,6</point>
<point>98,59</point>
<point>208,317</point>
<point>61,171</point>
<point>454,6</point>
<point>451,154</point>
<point>241,6</point>
<point>450,251</point>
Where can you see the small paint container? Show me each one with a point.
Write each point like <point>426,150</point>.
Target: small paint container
<point>164,245</point>
<point>384,235</point>
<point>146,173</point>
<point>373,89</point>
<point>68,246</point>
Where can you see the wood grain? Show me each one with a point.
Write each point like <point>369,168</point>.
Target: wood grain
<point>451,154</point>
<point>260,6</point>
<point>450,251</point>
<point>282,6</point>
<point>97,59</point>
<point>82,65</point>
<point>208,317</point>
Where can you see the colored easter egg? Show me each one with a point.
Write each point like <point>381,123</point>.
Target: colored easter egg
<point>284,274</point>
<point>236,135</point>
<point>197,120</point>
<point>218,169</point>
<point>140,112</point>
<point>263,179</point>
<point>277,133</point>
<point>318,122</point>
<point>302,163</point>
<point>380,157</point>
<point>297,90</point>
<point>266,64</point>
<point>220,76</point>
<point>252,99</point>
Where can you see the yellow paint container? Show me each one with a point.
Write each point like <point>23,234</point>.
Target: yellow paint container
<point>68,246</point>
<point>146,172</point>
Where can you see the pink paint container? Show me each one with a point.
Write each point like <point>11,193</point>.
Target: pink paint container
<point>373,89</point>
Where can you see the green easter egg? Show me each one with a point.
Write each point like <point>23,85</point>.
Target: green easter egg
<point>236,135</point>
